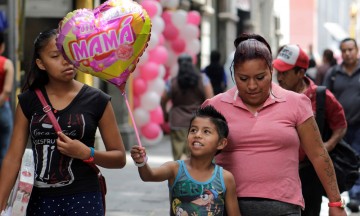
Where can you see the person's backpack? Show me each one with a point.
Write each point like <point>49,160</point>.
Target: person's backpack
<point>345,159</point>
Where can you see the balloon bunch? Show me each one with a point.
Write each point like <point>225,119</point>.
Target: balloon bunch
<point>148,83</point>
<point>173,32</point>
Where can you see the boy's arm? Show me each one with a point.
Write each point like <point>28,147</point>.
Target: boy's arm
<point>164,172</point>
<point>158,174</point>
<point>231,202</point>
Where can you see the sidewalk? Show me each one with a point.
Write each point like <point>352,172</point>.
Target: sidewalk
<point>128,195</point>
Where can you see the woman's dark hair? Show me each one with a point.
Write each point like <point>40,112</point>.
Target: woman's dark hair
<point>252,46</point>
<point>36,77</point>
<point>328,54</point>
<point>187,77</point>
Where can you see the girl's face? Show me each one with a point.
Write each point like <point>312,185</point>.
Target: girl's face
<point>203,138</point>
<point>52,61</point>
<point>253,81</point>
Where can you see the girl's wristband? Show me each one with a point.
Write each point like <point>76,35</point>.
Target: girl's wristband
<point>143,163</point>
<point>92,154</point>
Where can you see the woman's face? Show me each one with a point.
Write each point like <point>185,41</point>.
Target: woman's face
<point>253,81</point>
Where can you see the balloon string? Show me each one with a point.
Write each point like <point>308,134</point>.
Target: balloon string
<point>132,118</point>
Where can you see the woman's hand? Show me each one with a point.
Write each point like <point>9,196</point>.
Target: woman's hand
<point>72,148</point>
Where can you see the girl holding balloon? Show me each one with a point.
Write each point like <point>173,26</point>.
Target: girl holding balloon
<point>64,183</point>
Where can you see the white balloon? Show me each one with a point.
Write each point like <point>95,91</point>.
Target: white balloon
<point>179,19</point>
<point>162,71</point>
<point>149,100</point>
<point>153,42</point>
<point>172,58</point>
<point>189,32</point>
<point>158,25</point>
<point>172,4</point>
<point>159,8</point>
<point>174,70</point>
<point>143,58</point>
<point>163,3</point>
<point>141,116</point>
<point>156,85</point>
<point>193,47</point>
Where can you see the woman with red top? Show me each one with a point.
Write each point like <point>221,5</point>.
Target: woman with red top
<point>6,86</point>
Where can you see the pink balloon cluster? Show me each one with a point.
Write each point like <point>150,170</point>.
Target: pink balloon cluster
<point>173,32</point>
<point>181,33</point>
<point>148,82</point>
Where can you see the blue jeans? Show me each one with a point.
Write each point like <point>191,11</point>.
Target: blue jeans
<point>353,138</point>
<point>6,127</point>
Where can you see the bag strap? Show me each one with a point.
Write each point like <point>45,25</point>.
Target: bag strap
<point>48,111</point>
<point>50,114</point>
<point>332,78</point>
<point>320,107</point>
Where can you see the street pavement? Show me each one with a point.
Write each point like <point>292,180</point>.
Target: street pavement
<point>128,195</point>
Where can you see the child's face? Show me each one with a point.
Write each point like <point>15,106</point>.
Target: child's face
<point>52,61</point>
<point>203,137</point>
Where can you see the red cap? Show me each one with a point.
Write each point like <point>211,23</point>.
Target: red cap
<point>289,57</point>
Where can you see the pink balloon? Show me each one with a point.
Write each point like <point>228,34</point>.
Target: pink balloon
<point>161,39</point>
<point>157,115</point>
<point>150,130</point>
<point>166,15</point>
<point>194,17</point>
<point>178,45</point>
<point>159,55</point>
<point>149,71</point>
<point>136,101</point>
<point>170,32</point>
<point>139,86</point>
<point>194,59</point>
<point>150,7</point>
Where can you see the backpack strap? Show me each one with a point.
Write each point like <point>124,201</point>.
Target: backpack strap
<point>332,78</point>
<point>320,107</point>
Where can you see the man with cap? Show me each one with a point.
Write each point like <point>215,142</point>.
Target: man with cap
<point>291,65</point>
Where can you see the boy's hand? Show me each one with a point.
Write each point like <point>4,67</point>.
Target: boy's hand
<point>138,154</point>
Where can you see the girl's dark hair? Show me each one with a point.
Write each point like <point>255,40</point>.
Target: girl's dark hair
<point>187,77</point>
<point>36,77</point>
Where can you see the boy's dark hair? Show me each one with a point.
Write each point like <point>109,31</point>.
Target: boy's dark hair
<point>36,77</point>
<point>215,117</point>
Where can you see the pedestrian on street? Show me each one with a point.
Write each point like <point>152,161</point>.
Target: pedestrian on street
<point>65,184</point>
<point>328,60</point>
<point>291,65</point>
<point>344,82</point>
<point>187,91</point>
<point>216,73</point>
<point>197,186</point>
<point>6,87</point>
<point>267,126</point>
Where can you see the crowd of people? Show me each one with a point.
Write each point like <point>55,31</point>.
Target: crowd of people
<point>253,148</point>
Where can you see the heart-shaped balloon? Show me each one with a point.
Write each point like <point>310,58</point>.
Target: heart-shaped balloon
<point>105,42</point>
